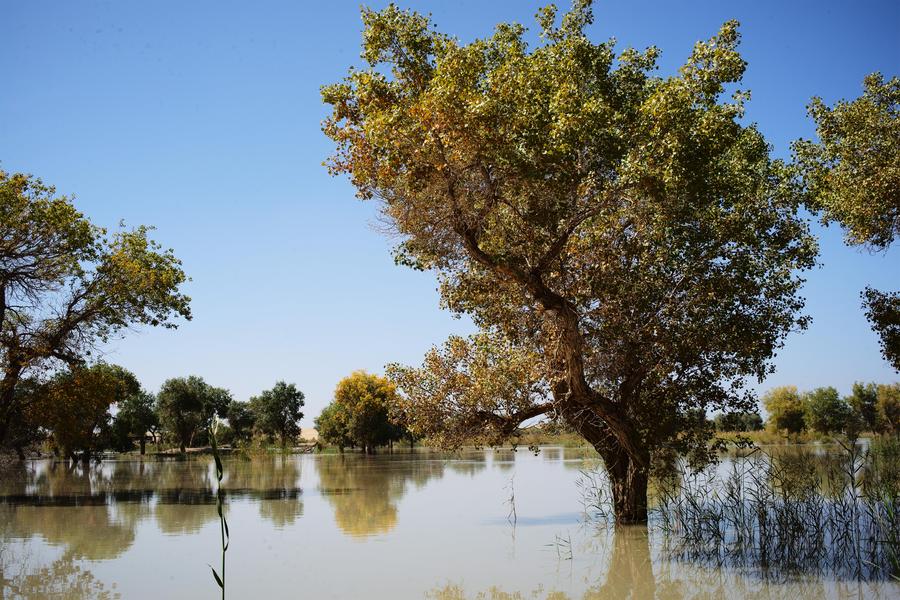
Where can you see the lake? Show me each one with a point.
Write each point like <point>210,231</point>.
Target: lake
<point>492,524</point>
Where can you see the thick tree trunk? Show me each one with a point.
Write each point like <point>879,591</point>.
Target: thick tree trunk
<point>629,489</point>
<point>628,478</point>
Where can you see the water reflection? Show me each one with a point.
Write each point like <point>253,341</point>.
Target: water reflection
<point>364,491</point>
<point>447,515</point>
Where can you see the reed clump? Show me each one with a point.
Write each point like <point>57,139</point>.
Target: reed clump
<point>792,511</point>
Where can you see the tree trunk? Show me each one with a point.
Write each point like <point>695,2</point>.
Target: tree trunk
<point>629,489</point>
<point>628,478</point>
<point>143,445</point>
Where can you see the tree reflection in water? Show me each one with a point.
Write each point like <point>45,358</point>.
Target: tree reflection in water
<point>364,491</point>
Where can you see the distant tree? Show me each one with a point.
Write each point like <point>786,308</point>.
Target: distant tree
<point>332,425</point>
<point>785,408</point>
<point>66,285</point>
<point>825,411</point>
<point>851,176</point>
<point>863,401</point>
<point>365,402</point>
<point>738,421</point>
<point>188,405</point>
<point>75,407</point>
<point>277,411</point>
<point>628,238</point>
<point>241,420</point>
<point>137,417</point>
<point>888,403</point>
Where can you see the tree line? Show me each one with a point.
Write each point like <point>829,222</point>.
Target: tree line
<point>89,409</point>
<point>869,407</point>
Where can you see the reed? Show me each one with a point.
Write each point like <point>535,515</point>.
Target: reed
<point>220,504</point>
<point>793,511</point>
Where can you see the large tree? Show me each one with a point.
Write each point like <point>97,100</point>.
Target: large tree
<point>66,285</point>
<point>188,406</point>
<point>278,411</point>
<point>852,175</point>
<point>620,237</point>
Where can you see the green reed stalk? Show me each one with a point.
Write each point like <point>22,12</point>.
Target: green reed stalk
<point>220,502</point>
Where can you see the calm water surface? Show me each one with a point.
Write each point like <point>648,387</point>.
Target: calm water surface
<point>420,525</point>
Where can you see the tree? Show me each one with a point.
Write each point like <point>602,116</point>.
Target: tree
<point>66,285</point>
<point>825,411</point>
<point>785,407</point>
<point>739,422</point>
<point>889,408</point>
<point>332,426</point>
<point>621,236</point>
<point>74,407</point>
<point>188,405</point>
<point>137,416</point>
<point>277,411</point>
<point>364,403</point>
<point>864,402</point>
<point>851,176</point>
<point>241,419</point>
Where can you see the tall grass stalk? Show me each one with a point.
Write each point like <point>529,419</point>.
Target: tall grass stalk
<point>220,503</point>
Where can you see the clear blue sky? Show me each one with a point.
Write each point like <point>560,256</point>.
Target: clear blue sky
<point>202,118</point>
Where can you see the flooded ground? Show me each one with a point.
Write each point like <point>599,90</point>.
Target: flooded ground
<point>480,524</point>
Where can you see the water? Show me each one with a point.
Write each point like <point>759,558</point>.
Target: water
<point>488,524</point>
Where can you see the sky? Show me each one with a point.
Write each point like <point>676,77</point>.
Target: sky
<point>203,119</point>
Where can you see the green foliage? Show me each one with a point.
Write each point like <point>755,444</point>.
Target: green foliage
<point>277,411</point>
<point>625,230</point>
<point>66,284</point>
<point>738,421</point>
<point>785,407</point>
<point>852,173</point>
<point>864,402</point>
<point>188,405</point>
<point>888,405</point>
<point>883,312</point>
<point>241,420</point>
<point>332,424</point>
<point>825,411</point>
<point>136,417</point>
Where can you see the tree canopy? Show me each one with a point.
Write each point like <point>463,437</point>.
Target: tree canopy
<point>277,411</point>
<point>621,236</point>
<point>853,171</point>
<point>188,406</point>
<point>66,284</point>
<point>360,414</point>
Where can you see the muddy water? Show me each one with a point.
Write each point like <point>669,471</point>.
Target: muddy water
<point>481,524</point>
